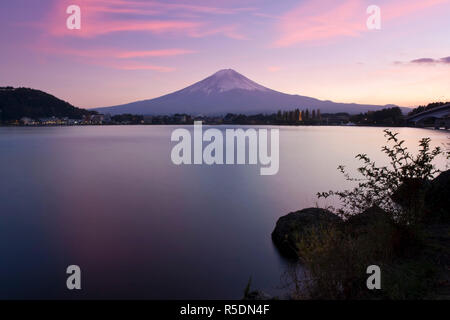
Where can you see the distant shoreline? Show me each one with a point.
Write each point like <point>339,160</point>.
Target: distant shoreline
<point>221,124</point>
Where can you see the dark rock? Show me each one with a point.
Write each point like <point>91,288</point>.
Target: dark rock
<point>369,217</point>
<point>375,227</point>
<point>410,191</point>
<point>437,198</point>
<point>292,226</point>
<point>258,295</point>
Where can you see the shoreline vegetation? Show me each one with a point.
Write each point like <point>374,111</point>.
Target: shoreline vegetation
<point>396,217</point>
<point>29,107</point>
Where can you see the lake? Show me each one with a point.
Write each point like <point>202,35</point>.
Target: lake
<point>110,200</point>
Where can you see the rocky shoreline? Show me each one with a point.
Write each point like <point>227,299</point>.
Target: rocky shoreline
<point>417,260</point>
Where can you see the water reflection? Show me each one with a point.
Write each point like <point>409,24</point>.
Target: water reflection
<point>110,200</point>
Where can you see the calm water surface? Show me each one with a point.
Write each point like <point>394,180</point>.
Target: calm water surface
<point>110,200</point>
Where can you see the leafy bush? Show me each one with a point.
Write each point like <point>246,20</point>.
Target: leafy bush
<point>336,257</point>
<point>398,189</point>
<point>380,228</point>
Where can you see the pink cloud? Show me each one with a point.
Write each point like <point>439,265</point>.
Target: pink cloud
<point>105,17</point>
<point>265,15</point>
<point>229,31</point>
<point>154,53</point>
<point>403,8</point>
<point>201,9</point>
<point>92,27</point>
<point>315,21</point>
<point>133,67</point>
<point>114,58</point>
<point>112,53</point>
<point>100,17</point>
<point>273,68</point>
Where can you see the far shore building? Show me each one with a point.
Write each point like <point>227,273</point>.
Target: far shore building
<point>107,118</point>
<point>97,119</point>
<point>27,121</point>
<point>148,119</point>
<point>49,121</point>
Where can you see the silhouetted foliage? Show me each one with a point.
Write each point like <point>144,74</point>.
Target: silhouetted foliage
<point>16,103</point>
<point>396,189</point>
<point>127,118</point>
<point>389,223</point>
<point>427,107</point>
<point>388,116</point>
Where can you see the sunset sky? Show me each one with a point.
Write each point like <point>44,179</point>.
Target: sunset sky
<point>135,50</point>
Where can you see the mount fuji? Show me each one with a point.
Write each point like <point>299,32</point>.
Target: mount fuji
<point>228,91</point>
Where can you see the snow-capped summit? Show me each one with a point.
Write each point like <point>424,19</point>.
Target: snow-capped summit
<point>229,91</point>
<point>225,80</point>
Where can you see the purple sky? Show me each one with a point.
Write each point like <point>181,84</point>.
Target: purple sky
<point>135,50</point>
